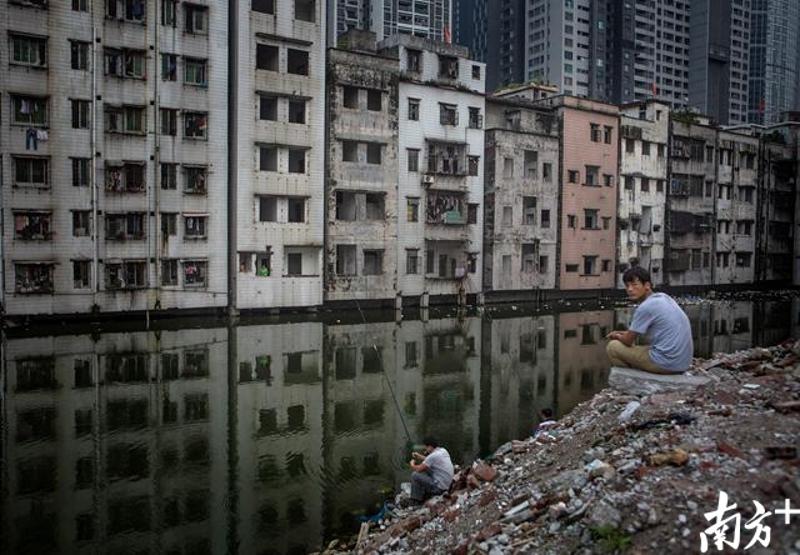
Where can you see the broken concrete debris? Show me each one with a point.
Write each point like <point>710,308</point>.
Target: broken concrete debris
<point>630,471</point>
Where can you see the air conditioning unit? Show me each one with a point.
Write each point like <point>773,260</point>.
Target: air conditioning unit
<point>427,180</point>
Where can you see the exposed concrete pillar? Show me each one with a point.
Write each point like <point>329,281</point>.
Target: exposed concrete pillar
<point>480,299</point>
<point>424,300</point>
<point>398,301</point>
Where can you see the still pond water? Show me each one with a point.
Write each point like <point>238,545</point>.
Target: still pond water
<point>271,438</point>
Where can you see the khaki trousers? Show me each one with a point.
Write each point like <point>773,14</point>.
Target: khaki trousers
<point>636,356</point>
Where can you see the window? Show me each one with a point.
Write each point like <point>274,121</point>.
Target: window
<point>413,109</point>
<point>543,264</point>
<point>196,19</point>
<point>529,210</point>
<point>194,275</point>
<point>473,164</point>
<point>374,100</point>
<point>267,209</point>
<point>590,219</point>
<point>448,67</point>
<point>593,176</point>
<point>608,180</point>
<point>79,55</point>
<point>264,6</point>
<point>268,158</point>
<point>268,107</point>
<point>547,171</point>
<point>297,111</point>
<point>413,61</point>
<point>413,159</point>
<point>594,133</point>
<point>429,261</point>
<point>645,184</point>
<point>472,213</point>
<point>373,262</point>
<point>296,209</point>
<point>629,183</point>
<point>304,10</point>
<point>169,67</point>
<point>31,172</point>
<point>743,259</point>
<point>294,264</point>
<point>412,209</point>
<point>33,278</point>
<point>169,224</point>
<point>169,176</point>
<point>297,160</point>
<point>606,266</point>
<point>123,63</point>
<point>80,274</point>
<point>475,118</point>
<point>531,163</point>
<point>589,265</point>
<point>297,62</point>
<point>606,222</point>
<point>80,223</point>
<point>661,150</point>
<point>169,276</point>
<point>196,177</point>
<point>33,226</point>
<point>660,186</point>
<point>125,119</point>
<point>508,216</point>
<point>345,260</point>
<point>128,10</point>
<point>630,146</point>
<point>266,57</point>
<point>349,151</point>
<point>571,221</point>
<point>448,114</point>
<point>80,5</point>
<point>169,13</point>
<point>375,206</point>
<point>374,153</point>
<point>573,176</point>
<point>28,50</point>
<point>545,219</point>
<point>608,134</point>
<point>169,121</point>
<point>746,194</point>
<point>529,257</point>
<point>80,172</point>
<point>476,71</point>
<point>744,227</point>
<point>194,227</point>
<point>30,110</point>
<point>571,268</point>
<point>125,178</point>
<point>508,167</point>
<point>125,226</point>
<point>195,72</point>
<point>195,125</point>
<point>645,148</point>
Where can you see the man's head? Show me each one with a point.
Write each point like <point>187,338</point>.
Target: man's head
<point>430,444</point>
<point>637,283</point>
<point>546,414</point>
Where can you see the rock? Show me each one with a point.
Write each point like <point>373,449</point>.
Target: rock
<point>519,447</point>
<point>692,506</point>
<point>484,471</point>
<point>629,410</point>
<point>729,450</point>
<point>638,382</point>
<point>489,531</point>
<point>557,510</point>
<point>600,469</point>
<point>786,406</point>
<point>412,523</point>
<point>676,457</point>
<point>517,509</point>
<point>603,514</point>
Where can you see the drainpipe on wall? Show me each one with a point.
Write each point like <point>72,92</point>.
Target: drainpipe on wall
<point>156,172</point>
<point>667,199</point>
<point>93,170</point>
<point>233,153</point>
<point>714,210</point>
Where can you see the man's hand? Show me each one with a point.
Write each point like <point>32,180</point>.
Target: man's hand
<point>612,335</point>
<point>627,337</point>
<point>418,456</point>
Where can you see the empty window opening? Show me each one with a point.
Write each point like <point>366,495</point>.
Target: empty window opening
<point>346,260</point>
<point>373,262</point>
<point>304,10</point>
<point>346,206</point>
<point>297,111</point>
<point>375,206</point>
<point>297,160</point>
<point>268,108</point>
<point>267,209</point>
<point>297,62</point>
<point>297,209</point>
<point>267,57</point>
<point>374,100</point>
<point>531,164</point>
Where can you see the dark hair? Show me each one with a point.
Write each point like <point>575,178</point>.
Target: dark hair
<point>430,441</point>
<point>636,272</point>
<point>547,413</point>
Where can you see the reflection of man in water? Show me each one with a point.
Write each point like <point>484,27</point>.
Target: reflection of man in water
<point>661,320</point>
<point>433,471</point>
<point>546,421</point>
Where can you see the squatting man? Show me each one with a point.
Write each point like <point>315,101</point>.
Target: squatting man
<point>662,324</point>
<point>433,471</point>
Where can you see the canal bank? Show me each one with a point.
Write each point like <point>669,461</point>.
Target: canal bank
<point>633,472</point>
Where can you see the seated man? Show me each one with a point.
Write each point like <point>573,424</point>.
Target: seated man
<point>546,421</point>
<point>664,323</point>
<point>434,474</point>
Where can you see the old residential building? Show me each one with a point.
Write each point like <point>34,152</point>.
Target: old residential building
<point>440,152</point>
<point>361,253</point>
<point>736,207</point>
<point>644,137</point>
<point>114,156</point>
<point>690,203</point>
<point>521,196</point>
<point>281,104</point>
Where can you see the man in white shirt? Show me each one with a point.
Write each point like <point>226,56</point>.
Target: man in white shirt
<point>433,471</point>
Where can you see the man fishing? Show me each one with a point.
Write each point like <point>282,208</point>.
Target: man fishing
<point>433,471</point>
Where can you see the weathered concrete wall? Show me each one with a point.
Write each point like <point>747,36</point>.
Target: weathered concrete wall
<point>365,74</point>
<point>644,134</point>
<point>58,85</point>
<point>524,148</point>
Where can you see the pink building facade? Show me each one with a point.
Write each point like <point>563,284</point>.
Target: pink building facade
<point>589,181</point>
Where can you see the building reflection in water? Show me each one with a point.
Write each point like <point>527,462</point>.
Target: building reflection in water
<point>272,438</point>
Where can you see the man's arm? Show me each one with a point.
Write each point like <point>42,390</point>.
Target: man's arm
<point>627,337</point>
<point>421,467</point>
